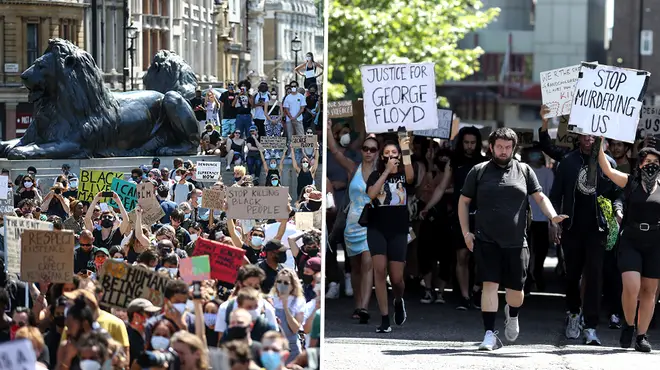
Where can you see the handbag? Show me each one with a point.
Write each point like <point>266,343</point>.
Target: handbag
<point>364,216</point>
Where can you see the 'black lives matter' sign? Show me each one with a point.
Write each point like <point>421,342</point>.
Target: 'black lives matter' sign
<point>398,95</point>
<point>607,101</point>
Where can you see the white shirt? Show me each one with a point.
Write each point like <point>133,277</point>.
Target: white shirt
<point>221,324</point>
<point>296,304</point>
<point>310,308</point>
<point>293,103</point>
<point>260,98</point>
<point>180,194</point>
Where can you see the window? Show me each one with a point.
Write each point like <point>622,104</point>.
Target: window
<point>646,43</point>
<point>32,43</point>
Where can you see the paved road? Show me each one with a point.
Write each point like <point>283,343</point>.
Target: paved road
<point>439,337</point>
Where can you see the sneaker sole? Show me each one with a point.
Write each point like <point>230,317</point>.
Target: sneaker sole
<point>506,320</point>
<point>643,350</point>
<point>461,308</point>
<point>388,330</point>
<point>486,348</point>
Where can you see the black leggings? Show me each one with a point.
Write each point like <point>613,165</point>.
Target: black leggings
<point>540,242</point>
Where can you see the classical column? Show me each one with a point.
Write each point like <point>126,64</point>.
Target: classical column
<point>112,38</point>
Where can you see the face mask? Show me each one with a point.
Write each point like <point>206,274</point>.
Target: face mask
<point>237,179</point>
<point>107,223</point>
<point>199,200</point>
<point>209,319</point>
<point>293,90</point>
<point>193,237</point>
<point>237,332</point>
<point>274,182</point>
<point>281,257</point>
<point>345,139</point>
<point>257,241</point>
<point>305,165</point>
<point>181,307</point>
<point>273,96</point>
<point>535,156</point>
<point>119,259</point>
<point>90,365</point>
<point>313,252</point>
<point>255,314</point>
<point>283,288</point>
<point>650,175</point>
<point>74,184</point>
<point>28,184</point>
<point>177,178</point>
<point>173,271</point>
<point>308,59</point>
<point>135,178</point>
<point>59,321</point>
<point>271,360</point>
<point>307,279</point>
<point>186,216</point>
<point>273,166</point>
<point>190,306</point>
<point>159,343</point>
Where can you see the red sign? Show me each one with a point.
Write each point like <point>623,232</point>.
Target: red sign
<point>225,259</point>
<point>23,120</point>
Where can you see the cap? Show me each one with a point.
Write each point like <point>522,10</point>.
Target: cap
<point>273,245</point>
<point>31,169</point>
<point>89,296</point>
<point>140,304</point>
<point>155,160</point>
<point>314,264</point>
<point>104,250</point>
<point>66,166</point>
<point>253,128</point>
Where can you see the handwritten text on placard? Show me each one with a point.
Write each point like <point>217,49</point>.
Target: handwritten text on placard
<point>340,109</point>
<point>208,170</point>
<point>47,256</point>
<point>443,131</point>
<point>273,142</point>
<point>649,124</point>
<point>127,192</point>
<point>14,227</point>
<point>122,283</point>
<point>557,88</point>
<point>303,141</point>
<point>92,182</point>
<point>256,203</point>
<point>225,260</point>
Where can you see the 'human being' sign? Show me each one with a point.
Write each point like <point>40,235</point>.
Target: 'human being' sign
<point>607,101</point>
<point>122,283</point>
<point>398,95</point>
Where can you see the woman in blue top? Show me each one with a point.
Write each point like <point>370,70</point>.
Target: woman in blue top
<point>355,236</point>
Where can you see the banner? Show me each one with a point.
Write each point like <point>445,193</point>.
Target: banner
<point>443,131</point>
<point>224,259</point>
<point>47,256</point>
<point>18,354</point>
<point>196,268</point>
<point>257,203</point>
<point>208,170</point>
<point>557,87</point>
<point>7,204</point>
<point>92,182</point>
<point>608,101</point>
<point>213,198</point>
<point>340,109</point>
<point>127,192</point>
<point>122,283</point>
<point>273,142</point>
<point>649,124</point>
<point>4,187</point>
<point>14,227</point>
<point>303,141</point>
<point>399,95</point>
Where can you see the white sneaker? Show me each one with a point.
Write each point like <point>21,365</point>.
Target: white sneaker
<point>333,291</point>
<point>590,337</point>
<point>573,326</point>
<point>490,341</point>
<point>511,326</point>
<point>348,288</point>
<point>228,168</point>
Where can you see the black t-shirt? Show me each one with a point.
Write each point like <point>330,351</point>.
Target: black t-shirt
<point>243,105</point>
<point>199,114</point>
<point>584,208</point>
<point>252,141</point>
<point>251,254</point>
<point>502,198</point>
<point>82,260</point>
<point>28,194</point>
<point>115,238</point>
<point>460,167</point>
<point>214,136</point>
<point>227,100</point>
<point>136,343</point>
<point>271,274</point>
<point>390,213</point>
<point>642,208</point>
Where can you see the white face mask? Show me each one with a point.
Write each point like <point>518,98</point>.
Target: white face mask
<point>89,365</point>
<point>74,184</point>
<point>177,178</point>
<point>119,259</point>
<point>181,307</point>
<point>293,90</point>
<point>209,319</point>
<point>28,184</point>
<point>159,343</point>
<point>255,314</point>
<point>193,237</point>
<point>345,139</point>
<point>305,165</point>
<point>190,306</point>
<point>308,59</point>
<point>173,271</point>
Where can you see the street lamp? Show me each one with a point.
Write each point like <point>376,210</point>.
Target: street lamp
<point>296,46</point>
<point>132,33</point>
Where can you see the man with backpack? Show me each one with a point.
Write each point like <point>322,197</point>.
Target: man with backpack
<point>501,187</point>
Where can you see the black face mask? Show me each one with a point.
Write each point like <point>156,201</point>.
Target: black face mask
<point>105,223</point>
<point>237,333</point>
<point>57,191</point>
<point>281,257</point>
<point>59,321</point>
<point>312,252</point>
<point>313,206</point>
<point>263,88</point>
<point>307,279</point>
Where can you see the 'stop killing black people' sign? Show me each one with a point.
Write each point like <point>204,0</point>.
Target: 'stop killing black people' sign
<point>399,95</point>
<point>607,101</point>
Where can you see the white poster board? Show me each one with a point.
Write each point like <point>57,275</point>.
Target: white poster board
<point>208,170</point>
<point>649,124</point>
<point>557,87</point>
<point>443,131</point>
<point>399,95</point>
<point>17,355</point>
<point>607,101</point>
<point>4,187</point>
<point>14,227</point>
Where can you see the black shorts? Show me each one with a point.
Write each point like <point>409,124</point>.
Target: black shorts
<point>394,246</point>
<point>505,266</point>
<point>640,256</point>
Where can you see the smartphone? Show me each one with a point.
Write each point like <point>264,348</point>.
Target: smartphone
<point>197,290</point>
<point>107,194</point>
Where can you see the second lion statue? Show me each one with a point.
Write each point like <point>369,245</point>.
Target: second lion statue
<point>76,116</point>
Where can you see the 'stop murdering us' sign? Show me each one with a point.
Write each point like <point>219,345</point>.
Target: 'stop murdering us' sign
<point>398,95</point>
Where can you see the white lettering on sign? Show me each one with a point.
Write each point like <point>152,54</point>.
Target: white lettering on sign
<point>557,87</point>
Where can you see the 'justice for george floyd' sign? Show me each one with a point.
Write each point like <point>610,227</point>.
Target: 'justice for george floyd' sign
<point>398,95</point>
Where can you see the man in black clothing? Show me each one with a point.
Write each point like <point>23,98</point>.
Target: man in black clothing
<point>53,337</point>
<point>214,136</point>
<point>467,155</point>
<point>275,257</point>
<point>138,311</point>
<point>15,290</point>
<point>197,104</point>
<point>584,235</point>
<point>228,110</point>
<point>83,257</point>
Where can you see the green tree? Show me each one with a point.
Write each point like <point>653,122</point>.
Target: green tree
<point>364,32</point>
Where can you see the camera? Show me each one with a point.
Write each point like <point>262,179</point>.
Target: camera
<point>149,359</point>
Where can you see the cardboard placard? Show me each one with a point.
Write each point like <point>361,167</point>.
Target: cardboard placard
<point>224,259</point>
<point>212,198</point>
<point>208,170</point>
<point>303,141</point>
<point>564,137</point>
<point>127,192</point>
<point>145,190</point>
<point>73,225</point>
<point>608,101</point>
<point>525,136</point>
<point>197,268</point>
<point>7,204</point>
<point>257,203</point>
<point>4,187</point>
<point>649,124</point>
<point>340,109</point>
<point>445,119</point>
<point>273,142</point>
<point>92,182</point>
<point>17,354</point>
<point>152,212</point>
<point>557,87</point>
<point>398,95</point>
<point>14,227</point>
<point>47,256</point>
<point>304,221</point>
<point>123,283</point>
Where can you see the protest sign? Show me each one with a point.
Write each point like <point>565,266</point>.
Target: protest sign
<point>152,212</point>
<point>145,190</point>
<point>47,256</point>
<point>122,283</point>
<point>4,187</point>
<point>92,182</point>
<point>607,101</point>
<point>399,95</point>
<point>303,141</point>
<point>443,131</point>
<point>340,109</point>
<point>525,136</point>
<point>14,227</point>
<point>127,192</point>
<point>17,354</point>
<point>7,204</point>
<point>196,268</point>
<point>212,198</point>
<point>304,220</point>
<point>207,170</point>
<point>257,203</point>
<point>649,124</point>
<point>564,137</point>
<point>557,87</point>
<point>224,259</point>
<point>273,142</point>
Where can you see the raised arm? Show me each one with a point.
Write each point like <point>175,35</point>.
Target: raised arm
<point>316,159</point>
<point>89,225</point>
<point>619,178</point>
<point>346,163</point>
<point>125,226</point>
<point>294,161</point>
<point>407,162</point>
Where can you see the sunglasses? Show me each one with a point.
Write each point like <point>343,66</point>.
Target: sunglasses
<point>283,282</point>
<point>369,149</point>
<point>108,218</point>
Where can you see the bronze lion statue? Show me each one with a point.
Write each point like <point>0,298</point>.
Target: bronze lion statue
<point>76,116</point>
